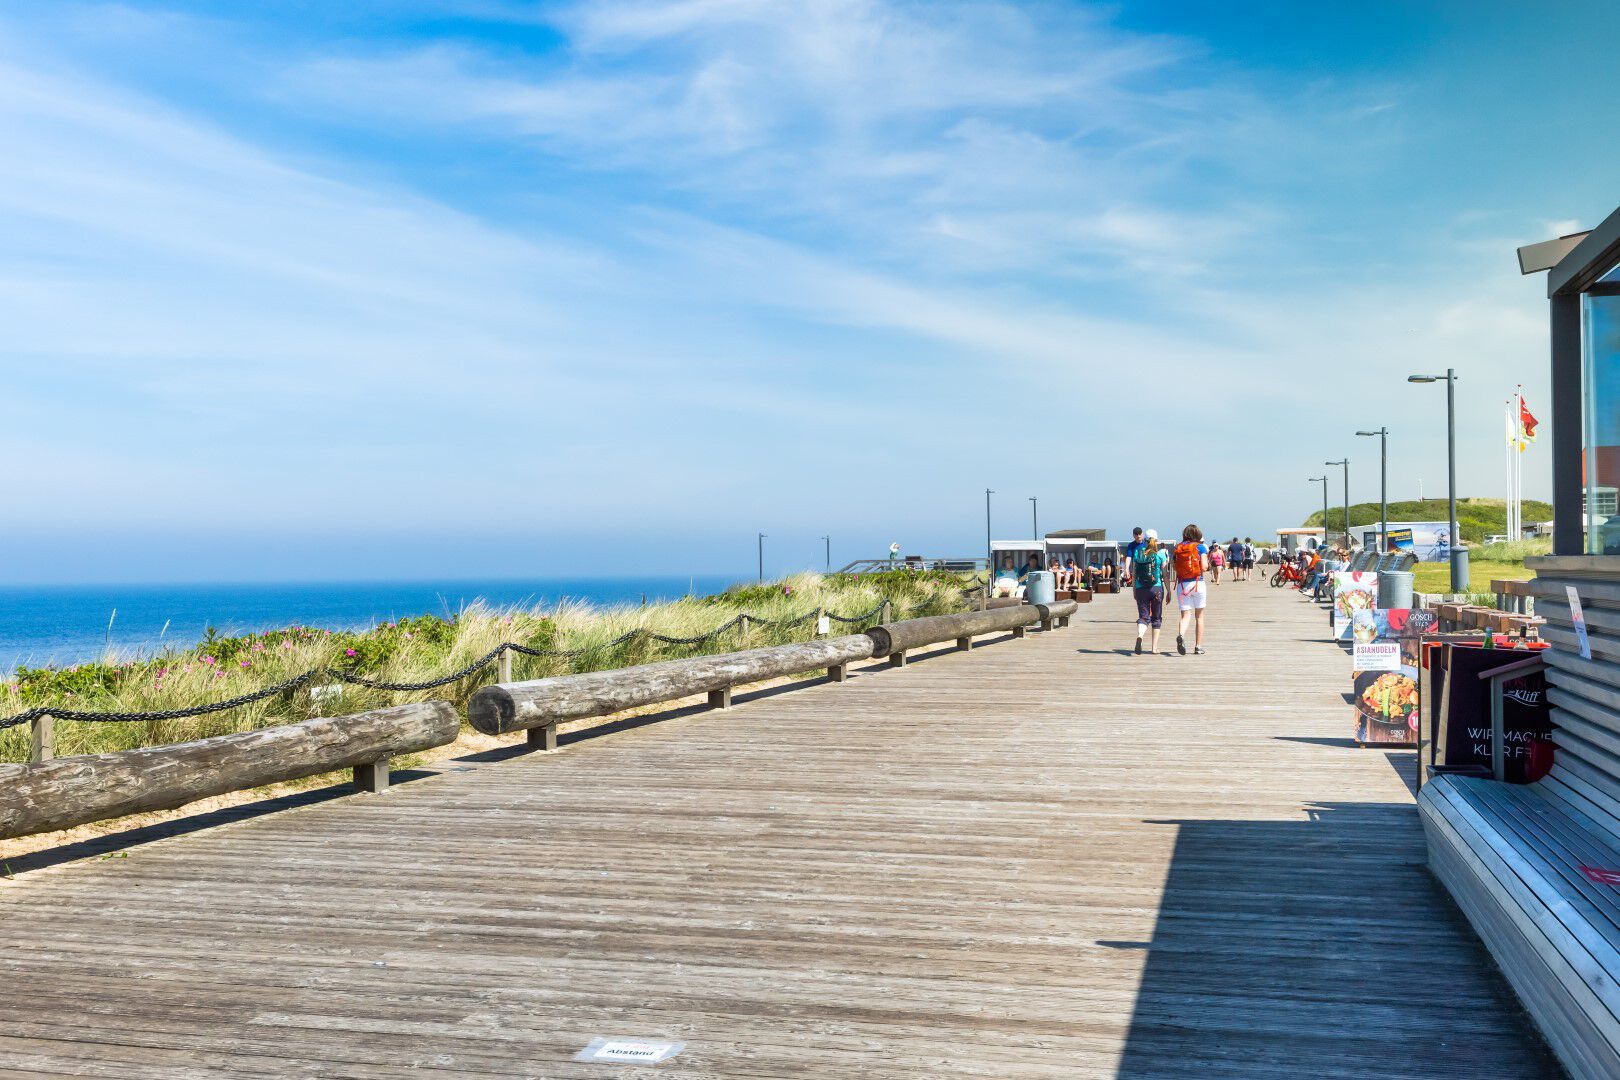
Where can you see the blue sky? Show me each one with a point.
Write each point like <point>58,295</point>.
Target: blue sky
<point>304,290</point>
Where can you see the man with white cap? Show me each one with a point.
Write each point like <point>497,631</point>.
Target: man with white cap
<point>1148,561</point>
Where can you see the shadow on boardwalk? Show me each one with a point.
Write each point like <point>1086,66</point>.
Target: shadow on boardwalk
<point>1286,949</point>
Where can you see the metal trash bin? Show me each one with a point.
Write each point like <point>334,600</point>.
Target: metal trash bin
<point>1394,589</point>
<point>1040,587</point>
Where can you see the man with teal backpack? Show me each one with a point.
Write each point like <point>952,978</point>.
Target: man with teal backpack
<point>1148,561</point>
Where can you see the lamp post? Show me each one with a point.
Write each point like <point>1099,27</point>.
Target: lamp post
<point>1323,478</point>
<point>1383,487</point>
<point>1454,551</point>
<point>761,557</point>
<point>828,541</point>
<point>1035,516</point>
<point>1346,464</point>
<point>989,550</point>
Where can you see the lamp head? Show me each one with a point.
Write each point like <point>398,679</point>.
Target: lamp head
<point>1368,433</point>
<point>1423,378</point>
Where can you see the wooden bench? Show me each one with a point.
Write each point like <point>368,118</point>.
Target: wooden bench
<point>1512,856</point>
<point>1536,867</point>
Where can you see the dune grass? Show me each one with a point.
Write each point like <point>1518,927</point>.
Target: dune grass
<point>425,648</point>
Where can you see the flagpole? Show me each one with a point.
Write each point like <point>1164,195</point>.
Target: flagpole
<point>1507,468</point>
<point>1518,464</point>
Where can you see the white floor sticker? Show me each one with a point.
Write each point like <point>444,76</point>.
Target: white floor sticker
<point>624,1051</point>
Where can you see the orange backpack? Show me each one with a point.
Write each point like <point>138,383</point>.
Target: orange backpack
<point>1189,565</point>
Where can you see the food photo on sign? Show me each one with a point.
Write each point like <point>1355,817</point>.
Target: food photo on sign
<point>1384,680</point>
<point>1353,591</point>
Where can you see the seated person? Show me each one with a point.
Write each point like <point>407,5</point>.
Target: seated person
<point>1033,566</point>
<point>1060,576</point>
<point>1005,581</point>
<point>1072,568</point>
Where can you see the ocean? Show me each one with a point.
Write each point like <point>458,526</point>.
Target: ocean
<point>68,624</point>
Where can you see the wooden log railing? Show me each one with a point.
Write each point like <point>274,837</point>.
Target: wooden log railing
<point>59,794</point>
<point>896,640</point>
<point>538,706</point>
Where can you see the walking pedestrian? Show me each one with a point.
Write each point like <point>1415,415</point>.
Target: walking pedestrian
<point>1147,566</point>
<point>1217,560</point>
<point>1234,559</point>
<point>1191,560</point>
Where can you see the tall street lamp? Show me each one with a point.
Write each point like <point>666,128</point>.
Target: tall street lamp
<point>1383,487</point>
<point>828,541</point>
<point>761,557</point>
<point>1323,479</point>
<point>1346,464</point>
<point>1035,516</point>
<point>1454,550</point>
<point>989,550</point>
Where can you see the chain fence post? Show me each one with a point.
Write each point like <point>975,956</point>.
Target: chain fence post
<point>742,627</point>
<point>821,620</point>
<point>503,671</point>
<point>42,738</point>
<point>885,612</point>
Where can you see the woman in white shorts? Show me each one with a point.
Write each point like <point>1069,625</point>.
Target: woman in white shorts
<point>1190,559</point>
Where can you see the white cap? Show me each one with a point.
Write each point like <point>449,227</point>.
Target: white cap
<point>1152,534</point>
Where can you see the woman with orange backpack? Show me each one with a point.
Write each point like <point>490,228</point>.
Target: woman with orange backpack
<point>1191,561</point>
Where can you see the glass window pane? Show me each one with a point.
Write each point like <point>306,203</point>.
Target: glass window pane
<point>1600,442</point>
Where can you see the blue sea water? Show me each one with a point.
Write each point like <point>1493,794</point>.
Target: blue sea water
<point>67,624</point>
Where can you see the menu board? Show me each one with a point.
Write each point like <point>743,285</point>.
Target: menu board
<point>1462,714</point>
<point>1385,690</point>
<point>1353,591</point>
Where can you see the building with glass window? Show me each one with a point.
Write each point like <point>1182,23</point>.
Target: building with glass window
<point>1583,286</point>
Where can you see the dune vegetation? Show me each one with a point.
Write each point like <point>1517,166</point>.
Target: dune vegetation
<point>580,637</point>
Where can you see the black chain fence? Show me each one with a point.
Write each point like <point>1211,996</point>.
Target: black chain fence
<point>377,684</point>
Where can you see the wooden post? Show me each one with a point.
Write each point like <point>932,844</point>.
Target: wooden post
<point>821,614</point>
<point>837,672</point>
<point>42,739</point>
<point>887,613</point>
<point>963,644</point>
<point>372,776</point>
<point>1018,631</point>
<point>897,659</point>
<point>503,667</point>
<point>721,698</point>
<point>742,628</point>
<point>1046,625</point>
<point>543,737</point>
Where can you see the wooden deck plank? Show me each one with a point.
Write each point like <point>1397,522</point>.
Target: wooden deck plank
<point>1038,858</point>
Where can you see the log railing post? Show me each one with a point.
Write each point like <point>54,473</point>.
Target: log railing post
<point>372,776</point>
<point>963,644</point>
<point>837,672</point>
<point>721,698</point>
<point>1018,631</point>
<point>897,658</point>
<point>543,737</point>
<point>42,738</point>
<point>503,667</point>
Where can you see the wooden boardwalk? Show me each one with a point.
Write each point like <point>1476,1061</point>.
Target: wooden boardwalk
<point>1045,858</point>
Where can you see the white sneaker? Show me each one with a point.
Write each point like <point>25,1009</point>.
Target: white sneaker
<point>1199,649</point>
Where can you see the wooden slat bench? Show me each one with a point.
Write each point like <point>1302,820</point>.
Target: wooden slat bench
<point>1512,857</point>
<point>1536,867</point>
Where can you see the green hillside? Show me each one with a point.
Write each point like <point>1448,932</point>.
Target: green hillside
<point>1476,518</point>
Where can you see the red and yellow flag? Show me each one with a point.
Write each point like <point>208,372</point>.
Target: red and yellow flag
<point>1527,423</point>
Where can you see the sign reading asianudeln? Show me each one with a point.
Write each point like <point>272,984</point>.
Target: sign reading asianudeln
<point>623,1051</point>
